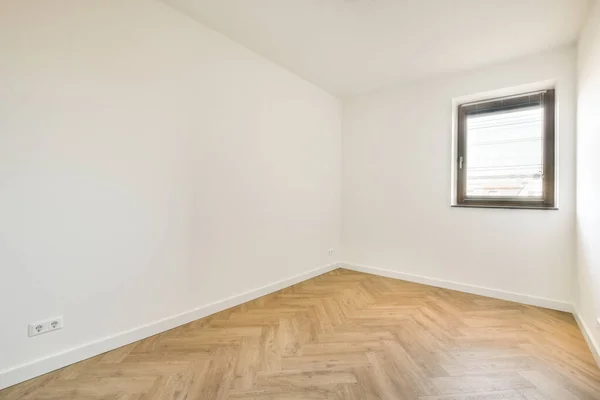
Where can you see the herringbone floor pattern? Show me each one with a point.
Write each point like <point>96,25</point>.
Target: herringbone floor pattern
<point>345,335</point>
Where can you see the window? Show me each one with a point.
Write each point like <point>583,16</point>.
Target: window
<point>506,152</point>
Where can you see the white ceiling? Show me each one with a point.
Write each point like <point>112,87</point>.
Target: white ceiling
<point>351,46</point>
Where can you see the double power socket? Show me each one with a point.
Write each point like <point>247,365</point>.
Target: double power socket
<point>49,325</point>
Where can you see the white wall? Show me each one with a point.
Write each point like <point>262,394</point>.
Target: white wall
<point>588,175</point>
<point>396,187</point>
<point>149,165</point>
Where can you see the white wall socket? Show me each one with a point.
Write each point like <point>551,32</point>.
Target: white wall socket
<point>598,324</point>
<point>330,252</point>
<point>49,325</point>
<point>36,329</point>
<point>54,324</point>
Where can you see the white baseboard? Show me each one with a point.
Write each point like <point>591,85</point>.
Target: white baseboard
<point>50,363</point>
<point>589,338</point>
<point>463,287</point>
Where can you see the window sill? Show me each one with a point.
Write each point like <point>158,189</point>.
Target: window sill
<point>504,207</point>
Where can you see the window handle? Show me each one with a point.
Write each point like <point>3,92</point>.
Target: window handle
<point>460,163</point>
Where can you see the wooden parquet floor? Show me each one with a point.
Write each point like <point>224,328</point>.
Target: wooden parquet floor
<point>345,335</point>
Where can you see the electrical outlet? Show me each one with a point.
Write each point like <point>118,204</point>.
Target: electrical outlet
<point>54,324</point>
<point>330,252</point>
<point>598,324</point>
<point>37,329</point>
<point>48,325</point>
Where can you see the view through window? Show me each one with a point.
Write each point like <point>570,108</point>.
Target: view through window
<point>505,153</point>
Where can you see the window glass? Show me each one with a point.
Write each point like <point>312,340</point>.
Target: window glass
<point>505,153</point>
